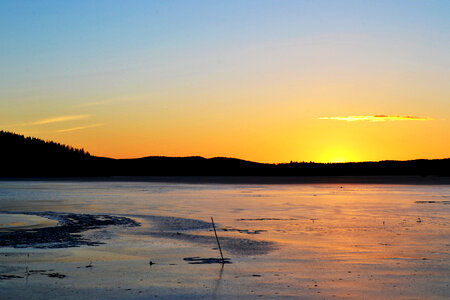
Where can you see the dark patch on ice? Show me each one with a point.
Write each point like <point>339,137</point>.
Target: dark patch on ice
<point>251,195</point>
<point>48,273</point>
<point>246,231</point>
<point>66,234</point>
<point>267,219</point>
<point>8,276</point>
<point>56,275</point>
<point>175,223</point>
<point>177,228</point>
<point>210,260</point>
<point>37,271</point>
<point>439,202</point>
<point>230,244</point>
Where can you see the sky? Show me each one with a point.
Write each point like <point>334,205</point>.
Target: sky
<point>267,81</point>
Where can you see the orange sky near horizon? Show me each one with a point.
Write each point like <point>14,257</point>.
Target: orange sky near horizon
<point>261,81</point>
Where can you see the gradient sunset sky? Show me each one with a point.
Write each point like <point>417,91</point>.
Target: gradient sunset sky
<point>267,81</point>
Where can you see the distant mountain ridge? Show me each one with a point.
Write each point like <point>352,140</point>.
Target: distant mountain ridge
<point>22,156</point>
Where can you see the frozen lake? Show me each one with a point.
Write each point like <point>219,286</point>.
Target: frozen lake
<point>292,241</point>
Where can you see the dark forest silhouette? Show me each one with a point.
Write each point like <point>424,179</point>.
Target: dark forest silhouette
<point>31,157</point>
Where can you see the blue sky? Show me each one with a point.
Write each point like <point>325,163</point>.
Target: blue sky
<point>218,60</point>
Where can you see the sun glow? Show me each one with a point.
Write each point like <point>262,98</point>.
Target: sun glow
<point>338,155</point>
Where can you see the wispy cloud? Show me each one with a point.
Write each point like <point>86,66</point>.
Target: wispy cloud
<point>59,119</point>
<point>378,118</point>
<point>79,128</point>
<point>53,120</point>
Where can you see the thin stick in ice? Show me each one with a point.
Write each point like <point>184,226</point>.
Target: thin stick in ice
<point>217,239</point>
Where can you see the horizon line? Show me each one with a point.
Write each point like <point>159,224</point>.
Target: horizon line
<point>226,157</point>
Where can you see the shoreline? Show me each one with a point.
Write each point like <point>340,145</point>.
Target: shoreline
<point>401,180</point>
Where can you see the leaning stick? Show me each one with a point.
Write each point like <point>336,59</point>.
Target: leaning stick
<point>217,239</point>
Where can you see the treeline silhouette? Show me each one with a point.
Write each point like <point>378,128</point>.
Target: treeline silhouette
<point>31,157</point>
<point>19,144</point>
<point>22,156</point>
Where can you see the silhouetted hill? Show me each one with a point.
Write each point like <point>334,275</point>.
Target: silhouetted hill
<point>15,144</point>
<point>30,157</point>
<point>26,156</point>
